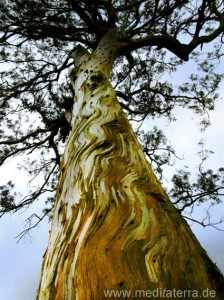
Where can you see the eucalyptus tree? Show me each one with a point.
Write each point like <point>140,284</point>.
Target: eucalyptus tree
<point>76,72</point>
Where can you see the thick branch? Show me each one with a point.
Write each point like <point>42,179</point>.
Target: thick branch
<point>161,41</point>
<point>205,39</point>
<point>172,44</point>
<point>83,15</point>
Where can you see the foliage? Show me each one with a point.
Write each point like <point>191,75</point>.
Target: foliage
<point>37,39</point>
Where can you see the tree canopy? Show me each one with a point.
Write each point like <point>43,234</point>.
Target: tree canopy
<point>37,41</point>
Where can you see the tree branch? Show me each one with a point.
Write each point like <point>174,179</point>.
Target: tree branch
<point>161,41</point>
<point>206,225</point>
<point>205,39</point>
<point>25,137</point>
<point>83,15</point>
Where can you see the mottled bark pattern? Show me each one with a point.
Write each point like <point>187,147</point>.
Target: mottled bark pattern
<point>113,226</point>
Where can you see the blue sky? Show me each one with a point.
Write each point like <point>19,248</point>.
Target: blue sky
<point>20,262</point>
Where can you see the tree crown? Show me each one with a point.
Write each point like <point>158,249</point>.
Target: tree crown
<point>37,40</point>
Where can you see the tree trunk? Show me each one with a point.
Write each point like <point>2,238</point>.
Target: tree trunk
<point>114,228</point>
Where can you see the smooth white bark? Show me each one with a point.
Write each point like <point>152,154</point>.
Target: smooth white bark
<point>114,226</point>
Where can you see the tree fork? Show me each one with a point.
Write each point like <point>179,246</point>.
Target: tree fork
<point>114,227</point>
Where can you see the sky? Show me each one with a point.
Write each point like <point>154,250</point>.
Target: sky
<point>20,263</point>
<point>185,134</point>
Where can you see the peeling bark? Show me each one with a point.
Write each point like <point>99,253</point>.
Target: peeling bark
<point>114,227</point>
